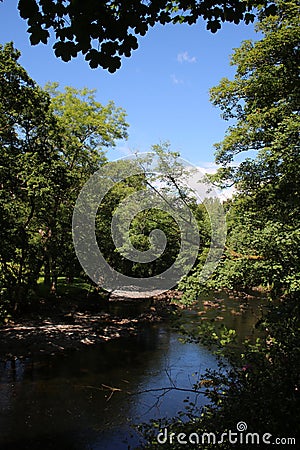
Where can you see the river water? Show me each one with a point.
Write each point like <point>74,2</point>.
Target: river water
<point>58,402</point>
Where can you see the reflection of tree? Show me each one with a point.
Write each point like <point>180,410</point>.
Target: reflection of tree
<point>51,399</point>
<point>64,396</point>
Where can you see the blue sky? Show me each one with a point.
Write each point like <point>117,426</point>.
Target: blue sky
<point>164,86</point>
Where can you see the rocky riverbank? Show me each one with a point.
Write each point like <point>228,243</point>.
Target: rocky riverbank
<point>58,331</point>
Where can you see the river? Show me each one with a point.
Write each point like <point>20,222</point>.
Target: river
<point>58,402</point>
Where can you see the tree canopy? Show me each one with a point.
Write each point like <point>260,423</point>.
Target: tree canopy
<point>105,31</point>
<point>263,99</point>
<point>262,104</point>
<point>50,143</point>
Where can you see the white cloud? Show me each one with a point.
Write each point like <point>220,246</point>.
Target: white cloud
<point>176,80</point>
<point>210,168</point>
<point>228,193</point>
<point>185,57</point>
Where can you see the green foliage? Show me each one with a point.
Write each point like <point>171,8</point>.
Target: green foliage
<point>263,242</point>
<point>86,128</point>
<point>27,162</point>
<point>260,389</point>
<point>263,99</point>
<point>106,210</point>
<point>104,31</point>
<point>50,143</point>
<point>261,386</point>
<point>166,184</point>
<point>86,124</point>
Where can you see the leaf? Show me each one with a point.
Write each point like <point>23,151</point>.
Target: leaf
<point>38,35</point>
<point>213,25</point>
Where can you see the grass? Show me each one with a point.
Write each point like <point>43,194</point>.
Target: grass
<point>78,288</point>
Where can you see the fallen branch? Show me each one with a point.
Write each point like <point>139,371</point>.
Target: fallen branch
<point>146,391</point>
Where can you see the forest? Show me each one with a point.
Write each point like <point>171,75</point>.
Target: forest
<point>52,142</point>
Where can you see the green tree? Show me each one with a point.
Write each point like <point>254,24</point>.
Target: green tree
<point>28,159</point>
<point>263,100</point>
<point>142,223</point>
<point>88,126</point>
<point>86,129</point>
<point>104,31</point>
<point>50,145</point>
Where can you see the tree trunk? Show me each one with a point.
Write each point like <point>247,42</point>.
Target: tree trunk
<point>47,272</point>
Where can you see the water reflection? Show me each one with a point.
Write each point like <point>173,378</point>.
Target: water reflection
<point>57,402</point>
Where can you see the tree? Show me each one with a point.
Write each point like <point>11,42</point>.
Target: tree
<point>28,159</point>
<point>49,148</point>
<point>263,99</point>
<point>160,193</point>
<point>104,31</point>
<point>86,128</point>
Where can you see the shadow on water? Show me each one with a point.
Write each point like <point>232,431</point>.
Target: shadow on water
<point>58,402</point>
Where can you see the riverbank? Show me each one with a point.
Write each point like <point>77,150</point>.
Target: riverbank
<point>73,326</point>
<point>67,324</point>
